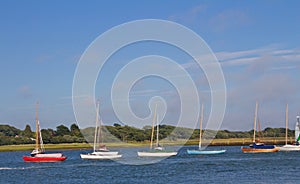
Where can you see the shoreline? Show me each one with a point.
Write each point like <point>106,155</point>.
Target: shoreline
<point>82,146</point>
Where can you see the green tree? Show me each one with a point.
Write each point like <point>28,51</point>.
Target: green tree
<point>9,130</point>
<point>68,139</point>
<point>27,132</point>
<point>75,131</point>
<point>116,125</point>
<point>62,130</point>
<point>47,135</point>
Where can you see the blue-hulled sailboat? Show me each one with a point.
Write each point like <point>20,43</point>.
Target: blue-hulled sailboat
<point>201,151</point>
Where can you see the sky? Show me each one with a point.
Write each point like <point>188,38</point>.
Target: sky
<point>255,42</point>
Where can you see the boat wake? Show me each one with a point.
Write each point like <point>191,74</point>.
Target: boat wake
<point>45,167</point>
<point>24,168</point>
<point>12,168</point>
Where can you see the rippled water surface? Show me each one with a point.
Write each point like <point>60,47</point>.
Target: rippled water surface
<point>231,167</point>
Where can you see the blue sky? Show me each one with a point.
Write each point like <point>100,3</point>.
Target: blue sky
<point>256,42</point>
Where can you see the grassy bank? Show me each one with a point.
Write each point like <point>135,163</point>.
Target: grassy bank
<point>67,146</point>
<point>215,142</point>
<point>24,147</point>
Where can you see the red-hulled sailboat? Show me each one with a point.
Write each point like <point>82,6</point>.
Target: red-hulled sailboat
<point>38,154</point>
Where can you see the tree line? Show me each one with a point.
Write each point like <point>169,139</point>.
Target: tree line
<point>10,135</point>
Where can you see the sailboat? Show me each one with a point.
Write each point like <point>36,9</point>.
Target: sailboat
<point>258,147</point>
<point>289,147</point>
<point>158,150</point>
<point>297,130</point>
<point>100,151</point>
<point>38,154</point>
<point>200,151</point>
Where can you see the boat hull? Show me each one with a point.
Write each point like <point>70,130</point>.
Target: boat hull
<point>259,150</point>
<point>156,154</point>
<point>43,159</point>
<point>99,157</point>
<point>104,153</point>
<point>290,148</point>
<point>205,152</point>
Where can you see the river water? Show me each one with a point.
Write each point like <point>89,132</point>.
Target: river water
<point>231,167</point>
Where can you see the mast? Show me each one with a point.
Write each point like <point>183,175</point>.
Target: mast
<point>259,130</point>
<point>201,120</point>
<point>37,127</point>
<point>255,117</point>
<point>96,125</point>
<point>157,130</point>
<point>286,123</point>
<point>100,138</point>
<point>152,132</point>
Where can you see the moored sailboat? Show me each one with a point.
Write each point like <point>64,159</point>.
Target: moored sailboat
<point>289,147</point>
<point>100,151</point>
<point>38,154</point>
<point>201,151</point>
<point>258,147</point>
<point>158,150</point>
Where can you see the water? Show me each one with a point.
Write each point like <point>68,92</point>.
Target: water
<point>231,167</point>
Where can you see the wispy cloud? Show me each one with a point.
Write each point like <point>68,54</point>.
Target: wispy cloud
<point>263,55</point>
<point>229,19</point>
<point>151,92</point>
<point>190,16</point>
<point>253,58</point>
<point>283,68</point>
<point>267,74</point>
<point>143,92</point>
<point>225,55</point>
<point>71,97</point>
<point>25,91</point>
<point>58,56</point>
<point>224,20</point>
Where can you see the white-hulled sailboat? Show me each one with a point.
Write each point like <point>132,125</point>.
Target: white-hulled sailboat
<point>200,151</point>
<point>100,151</point>
<point>157,151</point>
<point>289,147</point>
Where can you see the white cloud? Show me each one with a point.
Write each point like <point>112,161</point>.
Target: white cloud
<point>25,91</point>
<point>263,55</point>
<point>78,96</point>
<point>283,68</point>
<point>190,16</point>
<point>240,54</point>
<point>229,19</point>
<point>266,74</point>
